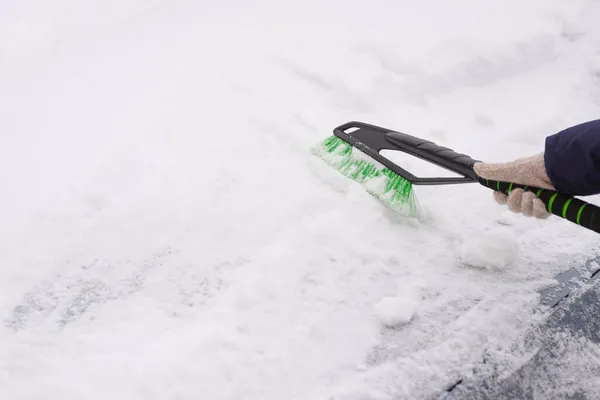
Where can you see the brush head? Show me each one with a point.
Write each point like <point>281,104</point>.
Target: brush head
<point>390,188</point>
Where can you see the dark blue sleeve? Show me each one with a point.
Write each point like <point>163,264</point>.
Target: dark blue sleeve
<point>572,159</point>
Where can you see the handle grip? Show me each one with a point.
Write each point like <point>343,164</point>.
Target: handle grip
<point>436,154</point>
<point>559,204</point>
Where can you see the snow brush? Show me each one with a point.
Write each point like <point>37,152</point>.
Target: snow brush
<point>393,185</point>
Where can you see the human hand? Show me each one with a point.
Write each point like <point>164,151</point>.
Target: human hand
<point>529,171</point>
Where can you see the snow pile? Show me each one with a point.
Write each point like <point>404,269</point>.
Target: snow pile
<point>395,311</point>
<point>490,250</point>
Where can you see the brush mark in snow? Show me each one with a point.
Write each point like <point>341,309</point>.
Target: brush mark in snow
<point>67,296</point>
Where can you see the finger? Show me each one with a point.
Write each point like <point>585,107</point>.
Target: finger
<point>500,198</point>
<point>539,209</point>
<point>514,200</point>
<point>527,203</point>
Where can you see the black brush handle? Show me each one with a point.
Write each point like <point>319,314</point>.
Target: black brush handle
<point>371,139</point>
<point>559,204</point>
<point>436,154</point>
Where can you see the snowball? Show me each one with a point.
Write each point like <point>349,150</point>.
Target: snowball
<point>491,250</point>
<point>395,311</point>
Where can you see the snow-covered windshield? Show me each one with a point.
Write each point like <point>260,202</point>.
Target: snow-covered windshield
<point>166,233</point>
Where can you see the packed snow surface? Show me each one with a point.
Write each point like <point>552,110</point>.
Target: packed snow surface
<point>166,232</point>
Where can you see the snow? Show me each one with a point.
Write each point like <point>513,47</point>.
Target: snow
<point>490,250</point>
<point>167,233</point>
<point>395,311</point>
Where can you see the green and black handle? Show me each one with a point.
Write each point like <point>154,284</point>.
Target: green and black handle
<point>372,139</point>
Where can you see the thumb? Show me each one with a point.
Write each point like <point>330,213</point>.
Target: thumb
<point>489,171</point>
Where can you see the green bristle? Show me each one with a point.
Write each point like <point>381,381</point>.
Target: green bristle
<point>383,183</point>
